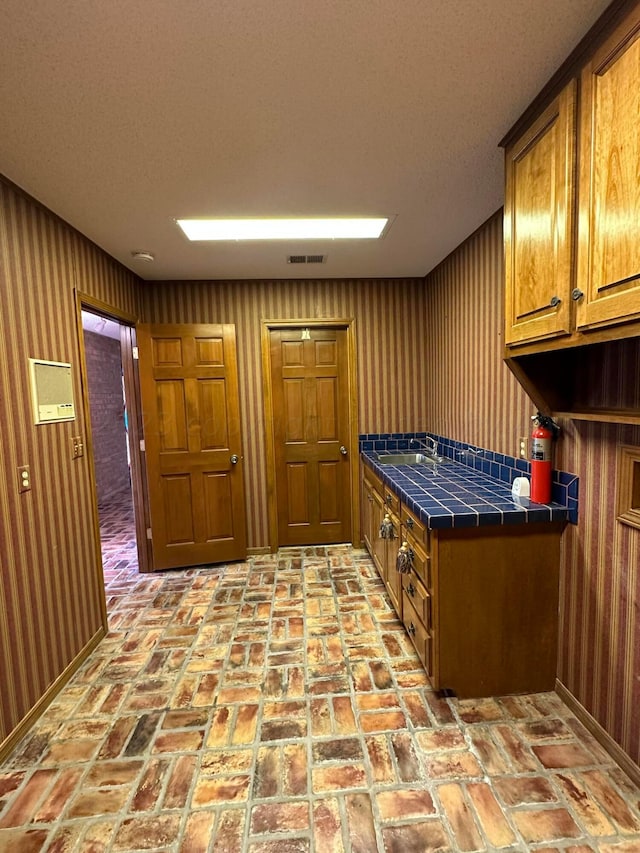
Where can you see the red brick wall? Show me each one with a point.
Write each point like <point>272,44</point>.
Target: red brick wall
<point>104,368</point>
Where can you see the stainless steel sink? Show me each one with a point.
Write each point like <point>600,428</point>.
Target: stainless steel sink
<point>404,459</point>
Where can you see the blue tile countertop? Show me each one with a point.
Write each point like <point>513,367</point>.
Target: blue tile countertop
<point>454,495</point>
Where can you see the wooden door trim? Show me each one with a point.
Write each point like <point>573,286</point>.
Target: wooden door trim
<point>267,326</point>
<point>139,487</point>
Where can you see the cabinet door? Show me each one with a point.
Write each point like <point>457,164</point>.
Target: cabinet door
<point>538,225</point>
<point>392,578</point>
<point>379,545</point>
<point>367,515</point>
<point>609,189</point>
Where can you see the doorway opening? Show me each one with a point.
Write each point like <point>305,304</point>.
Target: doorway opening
<point>113,424</point>
<point>109,413</point>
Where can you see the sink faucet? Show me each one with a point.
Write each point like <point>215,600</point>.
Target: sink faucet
<point>430,446</point>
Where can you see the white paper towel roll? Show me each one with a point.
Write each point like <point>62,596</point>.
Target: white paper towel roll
<point>521,488</point>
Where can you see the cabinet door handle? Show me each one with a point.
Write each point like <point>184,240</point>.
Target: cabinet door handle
<point>576,294</point>
<point>388,500</point>
<point>411,589</point>
<point>555,300</point>
<point>409,523</point>
<point>412,629</point>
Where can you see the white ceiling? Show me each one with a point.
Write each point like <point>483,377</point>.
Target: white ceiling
<point>122,116</point>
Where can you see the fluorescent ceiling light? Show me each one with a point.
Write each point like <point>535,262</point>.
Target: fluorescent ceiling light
<point>283,229</point>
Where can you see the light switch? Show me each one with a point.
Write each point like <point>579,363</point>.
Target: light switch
<point>24,478</point>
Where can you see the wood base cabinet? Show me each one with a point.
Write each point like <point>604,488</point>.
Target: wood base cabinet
<point>480,604</point>
<point>495,609</point>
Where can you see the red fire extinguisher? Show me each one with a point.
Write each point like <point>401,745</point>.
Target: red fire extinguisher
<point>544,431</point>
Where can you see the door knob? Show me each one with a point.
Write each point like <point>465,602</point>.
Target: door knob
<point>234,459</point>
<point>343,450</point>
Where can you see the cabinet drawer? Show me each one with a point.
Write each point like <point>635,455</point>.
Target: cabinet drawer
<point>372,480</point>
<point>420,637</point>
<point>421,561</point>
<point>420,599</point>
<point>391,501</point>
<point>416,528</point>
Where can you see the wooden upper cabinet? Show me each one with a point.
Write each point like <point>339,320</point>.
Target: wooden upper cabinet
<point>608,271</point>
<point>538,224</point>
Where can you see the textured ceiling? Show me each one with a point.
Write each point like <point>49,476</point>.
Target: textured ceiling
<point>123,116</point>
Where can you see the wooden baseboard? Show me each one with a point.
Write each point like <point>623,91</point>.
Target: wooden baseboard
<point>258,552</point>
<point>600,734</point>
<point>9,743</point>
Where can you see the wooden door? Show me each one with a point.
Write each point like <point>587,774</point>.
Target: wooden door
<point>312,434</point>
<point>189,386</point>
<point>609,212</point>
<point>538,225</point>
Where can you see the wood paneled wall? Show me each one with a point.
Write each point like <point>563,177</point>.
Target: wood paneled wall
<point>51,592</point>
<point>472,396</point>
<point>390,334</point>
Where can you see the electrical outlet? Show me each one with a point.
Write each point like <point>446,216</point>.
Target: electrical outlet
<point>24,478</point>
<point>524,447</point>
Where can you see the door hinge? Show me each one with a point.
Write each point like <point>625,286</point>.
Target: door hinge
<point>142,446</point>
<point>135,353</point>
<point>148,533</point>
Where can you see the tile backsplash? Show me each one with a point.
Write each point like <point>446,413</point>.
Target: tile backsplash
<point>564,489</point>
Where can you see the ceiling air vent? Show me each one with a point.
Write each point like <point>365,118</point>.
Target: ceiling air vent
<point>306,259</point>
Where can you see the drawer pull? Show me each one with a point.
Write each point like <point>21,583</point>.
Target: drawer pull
<point>409,523</point>
<point>412,629</point>
<point>388,500</point>
<point>411,589</point>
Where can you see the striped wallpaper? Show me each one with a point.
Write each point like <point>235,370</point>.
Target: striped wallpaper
<point>472,396</point>
<point>50,587</point>
<point>389,329</point>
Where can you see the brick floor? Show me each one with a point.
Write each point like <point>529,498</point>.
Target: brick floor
<point>276,706</point>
